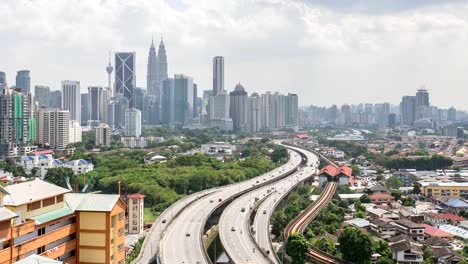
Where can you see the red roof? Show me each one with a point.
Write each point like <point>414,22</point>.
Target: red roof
<point>302,136</point>
<point>450,216</point>
<point>43,152</point>
<point>334,171</point>
<point>435,232</point>
<point>135,196</point>
<point>377,196</point>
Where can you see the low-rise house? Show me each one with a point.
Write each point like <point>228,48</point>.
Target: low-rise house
<point>218,148</point>
<point>382,228</point>
<point>381,198</point>
<point>79,166</point>
<point>437,242</point>
<point>445,255</point>
<point>406,251</point>
<point>430,231</point>
<point>455,205</point>
<point>380,213</point>
<point>44,162</point>
<point>455,230</point>
<point>442,219</point>
<point>411,229</point>
<point>358,222</point>
<point>139,142</point>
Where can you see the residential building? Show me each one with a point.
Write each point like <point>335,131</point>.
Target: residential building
<point>54,128</point>
<point>406,251</point>
<point>408,110</point>
<point>3,81</point>
<point>382,228</point>
<point>135,207</point>
<point>218,75</point>
<point>435,189</point>
<point>125,79</point>
<point>254,113</point>
<point>74,132</point>
<point>218,148</point>
<point>139,142</point>
<point>381,198</point>
<point>102,135</point>
<point>291,111</point>
<point>132,122</point>
<point>71,99</point>
<point>442,219</point>
<point>44,219</point>
<point>238,103</point>
<point>410,229</point>
<point>23,81</point>
<point>44,162</point>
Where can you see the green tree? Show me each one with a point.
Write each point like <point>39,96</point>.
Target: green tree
<point>364,199</point>
<point>355,246</point>
<point>427,255</point>
<point>355,170</point>
<point>34,171</point>
<point>361,214</point>
<point>384,260</point>
<point>297,247</point>
<point>382,248</point>
<point>279,221</point>
<point>324,244</point>
<point>416,188</point>
<point>58,176</point>
<point>394,183</point>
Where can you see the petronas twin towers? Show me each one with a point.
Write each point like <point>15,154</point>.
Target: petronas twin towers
<point>156,74</point>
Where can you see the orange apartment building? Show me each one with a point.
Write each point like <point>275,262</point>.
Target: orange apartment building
<point>39,218</point>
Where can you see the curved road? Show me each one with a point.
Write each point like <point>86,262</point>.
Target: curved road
<point>182,241</point>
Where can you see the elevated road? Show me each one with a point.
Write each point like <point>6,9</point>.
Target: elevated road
<point>234,226</point>
<point>182,241</point>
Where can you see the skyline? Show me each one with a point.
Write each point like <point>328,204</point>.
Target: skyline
<point>395,46</point>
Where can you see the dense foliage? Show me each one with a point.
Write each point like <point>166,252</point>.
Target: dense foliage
<point>297,247</point>
<point>435,162</point>
<point>136,248</point>
<point>355,246</point>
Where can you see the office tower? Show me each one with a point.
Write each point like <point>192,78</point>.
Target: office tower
<point>55,99</point>
<point>291,111</point>
<point>109,70</point>
<point>346,113</point>
<point>195,102</point>
<point>98,98</point>
<point>2,79</point>
<point>141,102</point>
<point>162,64</point>
<point>125,78</point>
<point>422,104</point>
<point>218,75</point>
<point>53,128</point>
<point>153,89</point>
<point>167,101</point>
<point>408,110</point>
<point>18,126</point>
<point>85,109</point>
<point>71,99</point>
<point>132,122</point>
<point>23,81</point>
<point>183,99</point>
<point>255,114</point>
<point>452,114</point>
<point>238,108</point>
<point>218,105</point>
<point>120,104</point>
<point>102,135</point>
<point>42,95</point>
<point>74,132</point>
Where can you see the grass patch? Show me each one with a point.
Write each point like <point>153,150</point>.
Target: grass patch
<point>149,215</point>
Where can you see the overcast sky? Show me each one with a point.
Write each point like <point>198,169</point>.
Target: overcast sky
<point>328,52</point>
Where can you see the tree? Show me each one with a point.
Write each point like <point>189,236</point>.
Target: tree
<point>355,246</point>
<point>416,188</point>
<point>279,220</point>
<point>356,170</point>
<point>427,255</point>
<point>325,244</point>
<point>360,214</point>
<point>407,201</point>
<point>384,260</point>
<point>297,247</point>
<point>58,176</point>
<point>364,199</point>
<point>394,183</point>
<point>382,248</point>
<point>34,171</point>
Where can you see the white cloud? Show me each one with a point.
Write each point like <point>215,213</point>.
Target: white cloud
<point>318,51</point>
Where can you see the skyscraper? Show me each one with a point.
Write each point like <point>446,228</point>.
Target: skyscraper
<point>153,88</point>
<point>125,79</point>
<point>167,101</point>
<point>120,104</point>
<point>55,99</point>
<point>255,114</point>
<point>291,111</point>
<point>132,122</point>
<point>42,95</point>
<point>141,102</point>
<point>2,79</point>
<point>84,109</point>
<point>71,99</point>
<point>238,102</point>
<point>422,104</point>
<point>183,99</point>
<point>98,98</point>
<point>218,75</point>
<point>23,81</point>
<point>452,114</point>
<point>162,64</point>
<point>408,110</point>
<point>53,128</point>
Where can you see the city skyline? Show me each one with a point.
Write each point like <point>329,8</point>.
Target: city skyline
<point>306,63</point>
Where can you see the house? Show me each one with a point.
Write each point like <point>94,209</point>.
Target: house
<point>411,229</point>
<point>381,213</point>
<point>358,222</point>
<point>442,219</point>
<point>377,189</point>
<point>455,205</point>
<point>218,148</point>
<point>430,231</point>
<point>437,242</point>
<point>44,162</point>
<point>79,166</point>
<point>445,255</point>
<point>381,198</point>
<point>406,251</point>
<point>382,228</point>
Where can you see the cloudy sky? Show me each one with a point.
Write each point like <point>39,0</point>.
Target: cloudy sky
<point>327,51</point>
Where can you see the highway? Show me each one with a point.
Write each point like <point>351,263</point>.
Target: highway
<point>182,241</point>
<point>234,226</point>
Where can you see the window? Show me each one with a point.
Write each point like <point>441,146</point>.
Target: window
<point>48,201</point>
<point>135,201</point>
<point>121,231</point>
<point>121,215</point>
<point>120,247</point>
<point>34,206</point>
<point>121,262</point>
<point>60,198</point>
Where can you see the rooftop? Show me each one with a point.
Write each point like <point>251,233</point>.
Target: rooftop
<point>435,232</point>
<point>408,223</point>
<point>31,191</point>
<point>135,196</point>
<point>35,259</point>
<point>91,201</point>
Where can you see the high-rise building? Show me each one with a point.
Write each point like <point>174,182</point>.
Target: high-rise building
<point>153,89</point>
<point>162,64</point>
<point>98,98</point>
<point>273,111</point>
<point>452,114</point>
<point>141,102</point>
<point>55,99</point>
<point>2,79</point>
<point>125,78</point>
<point>71,99</point>
<point>408,110</point>
<point>102,135</point>
<point>42,95</point>
<point>167,101</point>
<point>85,109</point>
<point>74,132</point>
<point>422,104</point>
<point>255,114</point>
<point>291,111</point>
<point>346,113</point>
<point>23,81</point>
<point>218,75</point>
<point>195,101</point>
<point>109,70</point>
<point>54,128</point>
<point>132,122</point>
<point>183,100</point>
<point>238,103</point>
<point>120,104</point>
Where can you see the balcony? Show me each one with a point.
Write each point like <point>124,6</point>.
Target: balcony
<point>60,250</point>
<point>24,228</point>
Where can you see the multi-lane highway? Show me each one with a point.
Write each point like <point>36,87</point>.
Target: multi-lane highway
<point>182,241</point>
<point>234,227</point>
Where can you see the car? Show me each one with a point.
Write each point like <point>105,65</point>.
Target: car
<point>187,234</point>
<point>211,201</point>
<point>264,212</point>
<point>219,200</point>
<point>164,221</point>
<point>233,229</point>
<point>243,209</point>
